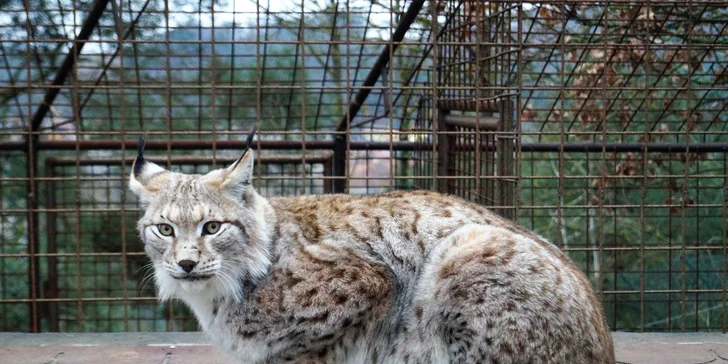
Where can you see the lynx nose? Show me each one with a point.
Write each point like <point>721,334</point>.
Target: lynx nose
<point>187,265</point>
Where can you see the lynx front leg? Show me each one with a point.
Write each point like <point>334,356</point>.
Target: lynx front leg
<point>321,308</point>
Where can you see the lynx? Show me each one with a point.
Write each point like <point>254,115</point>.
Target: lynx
<point>402,277</point>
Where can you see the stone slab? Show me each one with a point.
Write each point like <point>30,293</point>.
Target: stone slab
<point>192,348</point>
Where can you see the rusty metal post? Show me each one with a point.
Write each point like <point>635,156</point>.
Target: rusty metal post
<point>505,149</point>
<point>328,172</point>
<point>50,287</point>
<point>340,156</point>
<point>33,245</point>
<point>445,157</point>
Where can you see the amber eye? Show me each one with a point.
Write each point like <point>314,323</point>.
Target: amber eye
<point>165,229</point>
<point>211,227</point>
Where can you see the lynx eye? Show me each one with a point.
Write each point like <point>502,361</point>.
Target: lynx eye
<point>211,227</point>
<point>165,229</point>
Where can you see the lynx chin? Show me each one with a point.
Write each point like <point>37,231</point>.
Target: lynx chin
<point>402,277</point>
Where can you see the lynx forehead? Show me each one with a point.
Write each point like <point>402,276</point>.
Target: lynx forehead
<point>403,277</point>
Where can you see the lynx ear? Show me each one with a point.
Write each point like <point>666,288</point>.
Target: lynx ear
<point>146,177</point>
<point>237,177</point>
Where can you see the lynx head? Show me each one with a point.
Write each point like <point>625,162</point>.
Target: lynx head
<point>205,234</point>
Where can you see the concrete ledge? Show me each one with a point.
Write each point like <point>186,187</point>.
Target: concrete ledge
<point>193,348</point>
<point>108,348</point>
<point>687,348</point>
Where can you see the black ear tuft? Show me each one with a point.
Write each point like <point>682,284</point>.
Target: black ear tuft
<point>142,145</point>
<point>248,144</point>
<point>140,161</point>
<point>251,134</point>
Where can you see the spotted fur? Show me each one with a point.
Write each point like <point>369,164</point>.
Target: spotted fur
<point>403,277</point>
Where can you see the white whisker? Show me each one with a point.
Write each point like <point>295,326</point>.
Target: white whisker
<point>230,279</point>
<point>225,279</point>
<point>148,274</point>
<point>145,267</point>
<point>234,286</point>
<point>147,278</point>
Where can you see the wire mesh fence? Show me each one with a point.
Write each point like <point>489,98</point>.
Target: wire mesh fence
<point>601,125</point>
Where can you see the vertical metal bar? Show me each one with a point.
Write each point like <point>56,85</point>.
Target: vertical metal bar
<point>518,122</point>
<point>388,92</point>
<point>77,192</point>
<point>486,76</point>
<point>233,37</point>
<point>341,150</point>
<point>30,154</point>
<point>200,67</point>
<point>643,195</point>
<point>213,86</point>
<point>328,172</point>
<point>259,68</point>
<point>260,63</point>
<point>724,257</point>
<point>344,145</point>
<point>168,118</point>
<point>601,194</point>
<point>124,261</point>
<point>3,226</point>
<point>493,73</point>
<point>304,115</point>
<point>432,113</point>
<point>561,240</point>
<point>506,166</point>
<point>32,184</point>
<point>340,162</point>
<point>137,71</point>
<point>684,192</point>
<point>445,155</point>
<point>698,243</point>
<point>296,56</point>
<point>477,18</point>
<point>33,243</point>
<point>51,234</point>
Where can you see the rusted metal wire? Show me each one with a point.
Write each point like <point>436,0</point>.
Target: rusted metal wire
<point>600,125</point>
<point>340,140</point>
<point>88,26</point>
<point>329,145</point>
